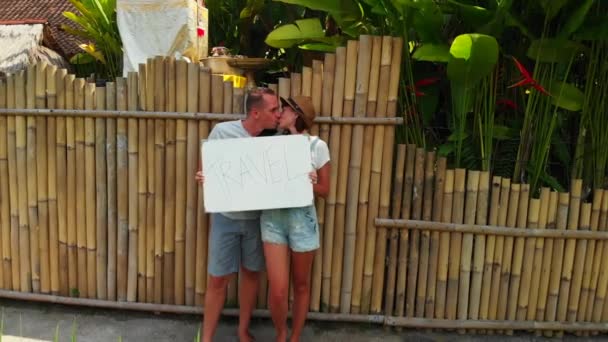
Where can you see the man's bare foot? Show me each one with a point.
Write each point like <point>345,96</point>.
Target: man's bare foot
<point>245,336</point>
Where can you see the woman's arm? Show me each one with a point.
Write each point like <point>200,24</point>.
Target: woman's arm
<point>321,188</point>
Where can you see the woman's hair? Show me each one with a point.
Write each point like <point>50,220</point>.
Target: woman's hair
<point>300,124</point>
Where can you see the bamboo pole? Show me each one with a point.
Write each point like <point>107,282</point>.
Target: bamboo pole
<point>366,195</point>
<point>122,181</point>
<point>455,243</point>
<point>579,267</point>
<point>472,189</point>
<point>547,257</point>
<point>191,167</point>
<point>307,77</point>
<point>133,156</point>
<point>602,285</point>
<point>404,236</point>
<point>111,191</point>
<point>425,236</point>
<point>142,201</point>
<point>505,187</point>
<point>5,219</point>
<point>526,279</point>
<point>81,232</point>
<point>385,182</point>
<point>444,247</point>
<point>480,246</point>
<point>397,196</point>
<point>180,177</point>
<point>429,310</point>
<point>151,278</point>
<point>604,224</point>
<point>488,266</point>
<point>354,179</point>
<point>34,87</point>
<point>593,258</point>
<point>557,260</point>
<point>12,179</point>
<point>159,177</point>
<point>296,84</point>
<point>90,181</point>
<point>53,255</point>
<point>70,222</point>
<point>536,267</point>
<point>202,224</point>
<point>101,186</point>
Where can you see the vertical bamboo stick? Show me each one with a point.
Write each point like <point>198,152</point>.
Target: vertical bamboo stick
<point>480,246</point>
<point>91,229</point>
<point>366,195</point>
<point>159,177</point>
<point>191,167</point>
<point>150,74</point>
<point>180,177</point>
<point>142,203</point>
<point>488,265</point>
<point>404,234</point>
<point>397,196</point>
<point>354,170</point>
<point>22,183</point>
<point>385,182</point>
<point>526,279</point>
<point>579,267</point>
<point>593,259</point>
<point>466,251</point>
<point>417,195</point>
<point>70,222</point>
<point>557,261</point>
<point>169,233</point>
<point>101,187</point>
<point>12,179</point>
<point>296,84</point>
<point>604,225</point>
<point>81,232</point>
<point>602,285</point>
<point>307,77</point>
<point>498,249</point>
<point>547,258</point>
<point>455,244</point>
<point>42,261</point>
<point>122,181</point>
<point>444,247</point>
<point>53,247</point>
<point>133,155</point>
<point>429,310</point>
<point>5,219</point>
<point>111,191</point>
<point>204,105</point>
<point>539,244</point>
<point>425,236</point>
<point>35,86</point>
<point>507,254</point>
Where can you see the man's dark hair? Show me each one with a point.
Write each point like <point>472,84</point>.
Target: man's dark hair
<point>255,97</point>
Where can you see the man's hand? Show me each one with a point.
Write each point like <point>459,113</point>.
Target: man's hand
<point>200,177</point>
<point>313,177</point>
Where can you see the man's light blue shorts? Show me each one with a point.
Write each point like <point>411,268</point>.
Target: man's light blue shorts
<point>296,227</point>
<point>232,243</point>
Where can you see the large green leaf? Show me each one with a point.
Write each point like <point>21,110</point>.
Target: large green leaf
<point>341,10</point>
<point>594,28</point>
<point>576,19</point>
<point>553,50</point>
<point>552,7</point>
<point>289,35</point>
<point>428,21</point>
<point>566,96</point>
<point>432,53</point>
<point>474,16</point>
<point>473,56</point>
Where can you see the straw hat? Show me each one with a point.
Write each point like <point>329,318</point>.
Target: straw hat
<point>302,105</point>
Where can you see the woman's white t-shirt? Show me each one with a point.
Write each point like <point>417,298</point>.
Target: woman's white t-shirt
<point>319,152</point>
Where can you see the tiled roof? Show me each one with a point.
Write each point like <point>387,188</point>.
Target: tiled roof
<point>25,11</point>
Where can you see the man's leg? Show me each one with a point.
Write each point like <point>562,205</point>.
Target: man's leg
<point>215,297</point>
<point>247,299</point>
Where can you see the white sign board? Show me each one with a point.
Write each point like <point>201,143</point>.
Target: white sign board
<point>257,173</point>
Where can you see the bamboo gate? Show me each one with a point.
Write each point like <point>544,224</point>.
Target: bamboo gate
<point>99,206</point>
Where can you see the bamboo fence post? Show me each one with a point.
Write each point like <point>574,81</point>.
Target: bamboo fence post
<point>429,310</point>
<point>53,256</point>
<point>202,222</point>
<point>455,244</point>
<point>604,224</point>
<point>307,77</point>
<point>579,267</point>
<point>111,191</point>
<point>593,258</point>
<point>90,181</point>
<point>505,188</point>
<point>568,264</point>
<point>602,285</point>
<point>333,239</point>
<point>191,186</point>
<point>159,178</point>
<point>547,258</point>
<point>180,177</point>
<point>385,182</point>
<point>101,190</point>
<point>444,247</point>
<point>472,189</point>
<point>22,182</point>
<point>354,179</point>
<point>539,243</point>
<point>5,219</point>
<point>34,86</point>
<point>480,246</point>
<point>397,196</point>
<point>525,290</point>
<point>296,84</point>
<point>133,154</point>
<point>363,226</point>
<point>425,236</point>
<point>70,195</point>
<point>379,100</point>
<point>518,254</point>
<point>122,181</point>
<point>404,235</point>
<point>488,263</point>
<point>81,232</point>
<point>417,196</point>
<point>557,261</point>
<point>12,179</point>
<point>151,277</point>
<point>142,200</point>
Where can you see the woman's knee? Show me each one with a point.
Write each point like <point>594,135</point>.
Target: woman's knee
<point>301,283</point>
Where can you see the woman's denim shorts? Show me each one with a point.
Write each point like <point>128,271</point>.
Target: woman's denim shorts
<point>296,227</point>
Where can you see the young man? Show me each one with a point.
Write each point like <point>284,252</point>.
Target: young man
<point>235,241</point>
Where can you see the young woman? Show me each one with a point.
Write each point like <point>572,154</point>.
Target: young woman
<point>294,231</point>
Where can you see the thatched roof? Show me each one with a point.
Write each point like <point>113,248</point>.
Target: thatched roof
<point>22,45</point>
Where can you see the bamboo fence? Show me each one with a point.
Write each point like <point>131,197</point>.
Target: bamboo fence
<point>98,202</point>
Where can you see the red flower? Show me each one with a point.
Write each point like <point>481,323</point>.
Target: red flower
<point>527,79</point>
<point>422,83</point>
<point>200,31</point>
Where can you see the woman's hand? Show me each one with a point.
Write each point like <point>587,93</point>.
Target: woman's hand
<point>200,177</point>
<point>313,177</point>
